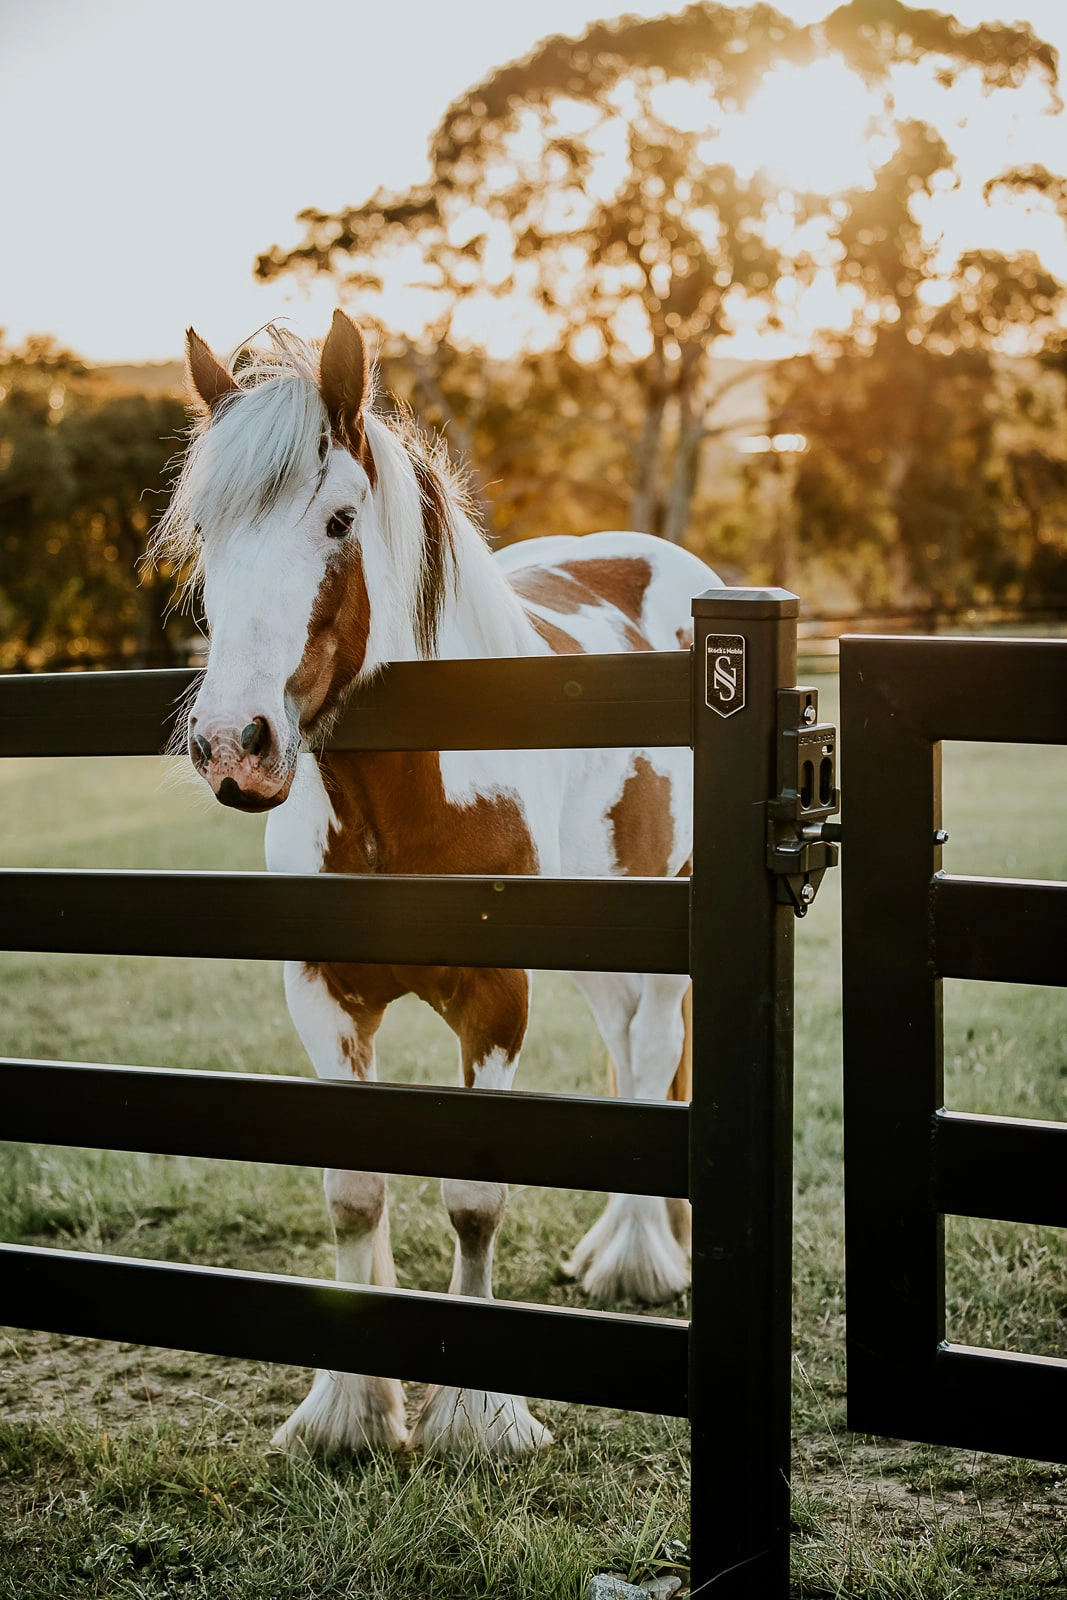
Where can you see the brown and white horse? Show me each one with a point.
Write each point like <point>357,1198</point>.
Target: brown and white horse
<point>330,541</point>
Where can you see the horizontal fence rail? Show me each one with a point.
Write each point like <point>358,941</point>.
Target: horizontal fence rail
<point>1008,1168</point>
<point>555,1352</point>
<point>1002,930</point>
<point>584,924</point>
<point>1013,691</point>
<point>559,1141</point>
<point>529,703</point>
<point>967,1397</point>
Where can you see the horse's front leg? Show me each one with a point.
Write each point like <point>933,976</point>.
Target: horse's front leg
<point>346,1412</point>
<point>488,1012</point>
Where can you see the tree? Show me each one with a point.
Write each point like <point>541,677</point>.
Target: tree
<point>910,478</point>
<point>78,467</point>
<point>631,273</point>
<point>564,185</point>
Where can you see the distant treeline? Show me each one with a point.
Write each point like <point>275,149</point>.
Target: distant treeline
<point>920,489</point>
<point>83,474</point>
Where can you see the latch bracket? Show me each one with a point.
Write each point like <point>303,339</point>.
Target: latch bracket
<point>801,842</point>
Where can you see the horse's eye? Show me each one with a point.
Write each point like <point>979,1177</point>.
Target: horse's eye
<point>340,523</point>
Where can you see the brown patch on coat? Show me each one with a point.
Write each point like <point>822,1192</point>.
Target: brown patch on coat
<point>619,584</point>
<point>642,830</point>
<point>684,637</point>
<point>622,581</point>
<point>487,1008</point>
<point>336,640</point>
<point>551,588</point>
<point>634,640</point>
<point>558,641</point>
<point>393,816</point>
<point>363,993</point>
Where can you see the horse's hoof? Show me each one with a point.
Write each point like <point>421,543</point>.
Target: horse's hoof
<point>345,1414</point>
<point>631,1253</point>
<point>477,1421</point>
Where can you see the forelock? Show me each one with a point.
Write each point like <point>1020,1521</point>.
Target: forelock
<point>267,441</point>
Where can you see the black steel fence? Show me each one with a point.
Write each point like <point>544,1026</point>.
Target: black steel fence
<point>731,927</point>
<point>905,926</point>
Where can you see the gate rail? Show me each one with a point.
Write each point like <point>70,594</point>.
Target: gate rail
<point>730,927</point>
<point>906,925</point>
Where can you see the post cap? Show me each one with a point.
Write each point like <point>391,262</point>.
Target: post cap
<point>753,605</point>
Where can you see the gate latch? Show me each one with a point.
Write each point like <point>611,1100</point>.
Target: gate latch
<point>801,843</point>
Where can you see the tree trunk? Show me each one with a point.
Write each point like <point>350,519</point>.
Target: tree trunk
<point>647,508</point>
<point>460,437</point>
<point>691,433</point>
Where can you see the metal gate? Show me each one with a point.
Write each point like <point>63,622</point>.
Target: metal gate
<point>906,925</point>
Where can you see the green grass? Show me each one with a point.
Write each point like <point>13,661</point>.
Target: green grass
<point>130,1472</point>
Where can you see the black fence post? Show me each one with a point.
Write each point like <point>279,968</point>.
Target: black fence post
<point>741,1124</point>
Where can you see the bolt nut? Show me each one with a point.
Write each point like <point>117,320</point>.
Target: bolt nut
<point>809,714</point>
<point>807,894</point>
<point>940,837</point>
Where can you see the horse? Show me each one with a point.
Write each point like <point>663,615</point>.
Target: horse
<point>328,540</point>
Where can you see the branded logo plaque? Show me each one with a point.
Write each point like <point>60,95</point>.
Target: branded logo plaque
<point>725,681</point>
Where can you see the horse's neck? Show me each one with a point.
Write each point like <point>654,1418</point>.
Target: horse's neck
<point>392,811</point>
<point>482,615</point>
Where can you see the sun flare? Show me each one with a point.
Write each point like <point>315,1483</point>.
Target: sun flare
<point>809,127</point>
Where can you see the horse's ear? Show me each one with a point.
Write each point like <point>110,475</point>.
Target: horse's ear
<point>208,378</point>
<point>343,379</point>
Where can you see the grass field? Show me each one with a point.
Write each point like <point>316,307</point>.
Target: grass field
<point>143,1473</point>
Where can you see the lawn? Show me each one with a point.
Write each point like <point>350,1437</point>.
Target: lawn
<point>127,1472</point>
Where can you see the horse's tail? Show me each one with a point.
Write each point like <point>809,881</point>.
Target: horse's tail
<point>680,1212</point>
<point>682,1083</point>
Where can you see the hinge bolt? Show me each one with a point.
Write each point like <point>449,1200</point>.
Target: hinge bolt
<point>940,837</point>
<point>807,894</point>
<point>809,714</point>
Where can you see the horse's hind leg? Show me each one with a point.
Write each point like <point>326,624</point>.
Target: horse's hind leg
<point>637,1249</point>
<point>346,1412</point>
<point>490,1019</point>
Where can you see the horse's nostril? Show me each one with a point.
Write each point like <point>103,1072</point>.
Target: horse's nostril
<point>255,738</point>
<point>203,746</point>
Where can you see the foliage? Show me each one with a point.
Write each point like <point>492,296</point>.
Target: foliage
<point>580,190</point>
<point>935,469</point>
<point>81,470</point>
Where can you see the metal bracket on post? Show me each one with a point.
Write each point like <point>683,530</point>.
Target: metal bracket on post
<point>801,843</point>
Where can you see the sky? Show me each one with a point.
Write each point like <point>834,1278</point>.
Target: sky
<point>152,150</point>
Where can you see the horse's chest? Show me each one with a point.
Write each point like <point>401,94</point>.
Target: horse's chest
<point>408,814</point>
<point>297,832</point>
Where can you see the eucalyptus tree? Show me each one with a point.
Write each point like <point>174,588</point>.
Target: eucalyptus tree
<point>582,198</point>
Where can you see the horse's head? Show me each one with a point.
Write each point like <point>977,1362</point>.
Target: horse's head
<point>276,499</point>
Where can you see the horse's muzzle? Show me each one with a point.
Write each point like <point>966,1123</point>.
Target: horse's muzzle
<point>229,793</point>
<point>242,768</point>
